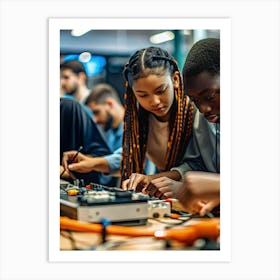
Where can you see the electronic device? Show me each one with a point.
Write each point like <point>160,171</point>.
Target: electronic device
<point>159,209</point>
<point>94,202</point>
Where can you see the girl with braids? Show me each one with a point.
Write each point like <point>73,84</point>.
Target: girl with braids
<point>158,117</point>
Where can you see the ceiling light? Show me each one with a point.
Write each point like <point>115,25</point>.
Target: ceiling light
<point>79,32</point>
<point>85,57</point>
<point>162,37</point>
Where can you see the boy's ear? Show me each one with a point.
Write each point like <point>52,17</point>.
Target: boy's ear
<point>82,76</point>
<point>176,79</point>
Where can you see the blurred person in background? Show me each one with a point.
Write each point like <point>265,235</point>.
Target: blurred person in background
<point>77,129</point>
<point>73,82</point>
<point>108,112</point>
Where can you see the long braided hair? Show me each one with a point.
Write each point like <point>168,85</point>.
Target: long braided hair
<point>141,64</point>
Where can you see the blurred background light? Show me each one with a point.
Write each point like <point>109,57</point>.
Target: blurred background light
<point>162,37</point>
<point>85,57</point>
<point>79,32</point>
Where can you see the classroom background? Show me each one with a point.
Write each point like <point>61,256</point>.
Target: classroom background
<point>105,52</point>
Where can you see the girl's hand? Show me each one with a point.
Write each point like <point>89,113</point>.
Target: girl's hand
<point>136,182</point>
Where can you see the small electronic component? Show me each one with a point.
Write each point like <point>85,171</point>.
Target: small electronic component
<point>96,196</point>
<point>159,209</point>
<point>73,192</point>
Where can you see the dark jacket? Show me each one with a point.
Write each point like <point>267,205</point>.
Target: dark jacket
<point>78,129</point>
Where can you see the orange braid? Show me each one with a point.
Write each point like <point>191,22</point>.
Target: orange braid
<point>133,149</point>
<point>180,129</point>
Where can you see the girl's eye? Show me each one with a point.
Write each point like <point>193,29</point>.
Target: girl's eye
<point>161,91</point>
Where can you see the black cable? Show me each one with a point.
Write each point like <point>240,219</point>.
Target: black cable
<point>71,238</point>
<point>62,189</point>
<point>172,224</point>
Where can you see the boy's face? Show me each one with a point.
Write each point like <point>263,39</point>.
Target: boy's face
<point>204,90</point>
<point>102,114</point>
<point>69,81</point>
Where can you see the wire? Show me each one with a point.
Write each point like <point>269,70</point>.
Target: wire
<point>171,224</point>
<point>87,244</point>
<point>61,188</point>
<point>71,238</point>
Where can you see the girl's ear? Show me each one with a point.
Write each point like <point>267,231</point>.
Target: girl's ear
<point>176,79</point>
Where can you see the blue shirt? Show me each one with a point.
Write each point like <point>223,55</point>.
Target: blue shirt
<point>114,137</point>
